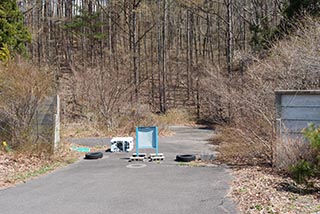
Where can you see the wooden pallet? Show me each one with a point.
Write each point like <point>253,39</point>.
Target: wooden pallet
<point>132,158</point>
<point>144,157</point>
<point>155,155</point>
<point>157,158</point>
<point>140,155</point>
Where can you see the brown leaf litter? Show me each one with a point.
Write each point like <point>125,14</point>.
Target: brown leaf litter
<point>262,190</point>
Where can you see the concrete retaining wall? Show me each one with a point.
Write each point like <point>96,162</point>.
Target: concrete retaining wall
<point>46,126</point>
<point>294,111</point>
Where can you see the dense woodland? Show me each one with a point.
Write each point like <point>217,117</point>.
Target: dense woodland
<point>115,61</point>
<point>154,52</point>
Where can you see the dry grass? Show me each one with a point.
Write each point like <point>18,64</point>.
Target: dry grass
<point>80,129</point>
<point>260,190</point>
<point>176,117</point>
<point>289,151</point>
<point>235,149</point>
<point>127,124</point>
<point>30,162</point>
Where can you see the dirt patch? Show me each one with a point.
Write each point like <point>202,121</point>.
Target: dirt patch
<point>262,190</point>
<point>17,167</point>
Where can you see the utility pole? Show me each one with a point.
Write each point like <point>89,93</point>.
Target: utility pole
<point>134,50</point>
<point>229,37</point>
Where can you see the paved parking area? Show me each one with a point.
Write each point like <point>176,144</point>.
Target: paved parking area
<point>114,185</point>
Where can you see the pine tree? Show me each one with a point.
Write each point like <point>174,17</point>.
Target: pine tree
<point>13,32</point>
<point>296,8</point>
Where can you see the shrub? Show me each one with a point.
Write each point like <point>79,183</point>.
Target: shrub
<point>23,87</point>
<point>302,171</point>
<point>245,99</point>
<point>306,169</point>
<point>312,133</point>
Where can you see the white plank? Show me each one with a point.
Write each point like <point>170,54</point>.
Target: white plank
<point>300,113</point>
<point>300,100</point>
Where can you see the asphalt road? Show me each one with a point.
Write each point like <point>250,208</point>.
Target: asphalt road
<point>113,185</point>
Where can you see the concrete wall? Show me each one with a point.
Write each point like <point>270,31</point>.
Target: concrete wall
<point>46,126</point>
<point>294,111</point>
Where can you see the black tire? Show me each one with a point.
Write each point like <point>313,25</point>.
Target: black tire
<point>93,155</point>
<point>185,158</point>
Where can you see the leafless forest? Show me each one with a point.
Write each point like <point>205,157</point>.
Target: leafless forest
<point>111,55</point>
<point>115,62</point>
